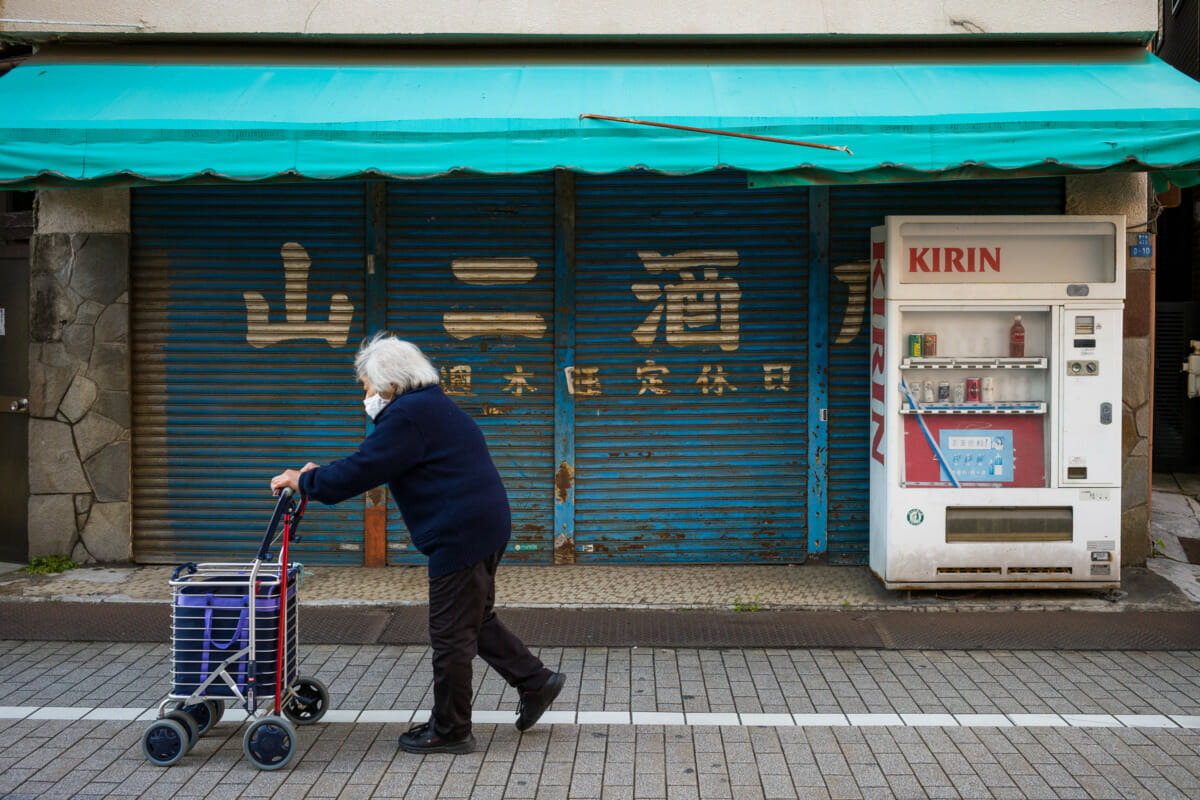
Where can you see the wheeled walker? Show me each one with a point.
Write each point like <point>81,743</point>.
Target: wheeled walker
<point>233,637</point>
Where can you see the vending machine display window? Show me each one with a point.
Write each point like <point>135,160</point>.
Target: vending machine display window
<point>975,396</point>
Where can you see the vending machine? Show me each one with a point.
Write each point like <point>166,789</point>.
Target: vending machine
<point>995,428</point>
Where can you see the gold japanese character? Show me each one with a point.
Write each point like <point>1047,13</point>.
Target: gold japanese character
<point>650,377</point>
<point>712,380</point>
<point>458,382</point>
<point>518,382</point>
<point>701,309</point>
<point>777,377</point>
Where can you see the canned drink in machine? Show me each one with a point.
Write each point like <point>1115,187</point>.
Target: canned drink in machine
<point>928,345</point>
<point>929,392</point>
<point>943,392</point>
<point>959,393</point>
<point>914,345</point>
<point>972,390</point>
<point>987,389</point>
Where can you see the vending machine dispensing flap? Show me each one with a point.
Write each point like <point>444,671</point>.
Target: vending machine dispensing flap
<point>1009,524</point>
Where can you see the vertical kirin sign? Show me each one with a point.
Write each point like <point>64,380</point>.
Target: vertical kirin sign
<point>878,320</point>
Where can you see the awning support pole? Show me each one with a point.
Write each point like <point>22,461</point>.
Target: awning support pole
<point>716,132</point>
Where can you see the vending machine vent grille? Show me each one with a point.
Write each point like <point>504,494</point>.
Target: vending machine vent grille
<point>969,571</point>
<point>1040,570</point>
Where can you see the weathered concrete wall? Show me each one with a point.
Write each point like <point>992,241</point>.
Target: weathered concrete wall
<point>1128,195</point>
<point>79,377</point>
<point>1135,20</point>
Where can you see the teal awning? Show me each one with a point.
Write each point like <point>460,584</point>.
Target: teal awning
<point>905,117</point>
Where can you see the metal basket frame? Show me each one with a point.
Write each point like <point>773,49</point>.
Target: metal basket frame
<point>256,579</point>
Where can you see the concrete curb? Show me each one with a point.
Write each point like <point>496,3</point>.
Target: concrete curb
<point>892,630</point>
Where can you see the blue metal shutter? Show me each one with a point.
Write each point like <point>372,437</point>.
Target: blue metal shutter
<point>225,394</point>
<point>691,414</point>
<point>471,282</point>
<point>853,211</point>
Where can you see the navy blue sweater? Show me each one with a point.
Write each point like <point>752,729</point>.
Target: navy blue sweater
<point>434,460</point>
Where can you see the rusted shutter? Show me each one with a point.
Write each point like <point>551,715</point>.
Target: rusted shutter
<point>246,311</point>
<point>853,211</point>
<point>691,370</point>
<point>471,282</point>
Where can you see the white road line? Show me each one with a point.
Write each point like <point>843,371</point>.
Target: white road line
<point>984,720</point>
<point>936,720</point>
<point>1091,720</point>
<point>397,715</point>
<point>1040,721</point>
<point>691,719</point>
<point>768,720</point>
<point>115,714</point>
<point>657,718</point>
<point>870,720</point>
<point>602,717</point>
<point>60,712</point>
<point>16,712</point>
<point>1145,721</point>
<point>821,720</point>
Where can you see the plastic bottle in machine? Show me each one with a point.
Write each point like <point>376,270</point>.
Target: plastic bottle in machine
<point>1016,339</point>
<point>987,389</point>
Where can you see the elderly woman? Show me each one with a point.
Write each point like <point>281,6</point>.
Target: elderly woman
<point>434,460</point>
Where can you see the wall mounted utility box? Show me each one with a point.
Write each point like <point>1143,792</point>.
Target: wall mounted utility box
<point>996,401</point>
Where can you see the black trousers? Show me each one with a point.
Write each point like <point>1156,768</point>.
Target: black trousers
<point>463,623</point>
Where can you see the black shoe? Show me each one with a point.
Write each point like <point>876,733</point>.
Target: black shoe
<point>423,739</point>
<point>534,704</point>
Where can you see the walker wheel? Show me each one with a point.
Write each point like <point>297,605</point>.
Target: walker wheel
<point>269,742</point>
<point>307,702</point>
<point>165,742</point>
<point>188,722</point>
<point>205,714</point>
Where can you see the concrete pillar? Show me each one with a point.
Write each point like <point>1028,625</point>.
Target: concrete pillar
<point>79,401</point>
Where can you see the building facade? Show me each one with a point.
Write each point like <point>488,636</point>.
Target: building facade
<point>661,331</point>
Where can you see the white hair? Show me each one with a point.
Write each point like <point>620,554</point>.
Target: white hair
<point>393,366</point>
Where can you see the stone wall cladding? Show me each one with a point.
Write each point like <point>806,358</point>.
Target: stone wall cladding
<point>79,431</point>
<point>1137,417</point>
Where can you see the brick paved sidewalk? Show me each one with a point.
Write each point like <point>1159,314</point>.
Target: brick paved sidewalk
<point>797,587</point>
<point>642,723</point>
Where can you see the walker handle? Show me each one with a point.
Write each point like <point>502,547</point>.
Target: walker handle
<point>297,515</point>
<point>190,567</point>
<point>282,506</point>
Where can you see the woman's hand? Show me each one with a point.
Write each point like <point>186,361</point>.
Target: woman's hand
<point>290,479</point>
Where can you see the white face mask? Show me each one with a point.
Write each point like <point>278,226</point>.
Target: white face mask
<point>374,404</point>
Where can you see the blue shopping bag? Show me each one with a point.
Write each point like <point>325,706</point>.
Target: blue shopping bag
<point>212,624</point>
